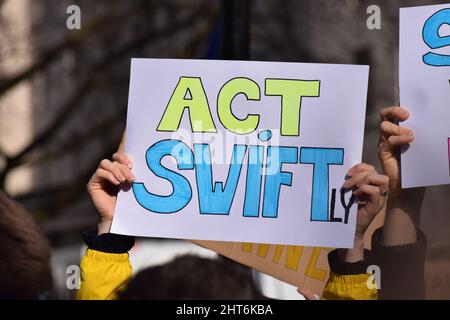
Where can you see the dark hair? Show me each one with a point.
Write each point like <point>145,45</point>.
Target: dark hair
<point>24,254</point>
<point>192,277</point>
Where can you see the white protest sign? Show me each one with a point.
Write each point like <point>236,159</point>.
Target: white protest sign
<point>242,151</point>
<point>425,91</point>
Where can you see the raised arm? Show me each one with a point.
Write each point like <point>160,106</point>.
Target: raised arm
<point>105,267</point>
<point>399,245</point>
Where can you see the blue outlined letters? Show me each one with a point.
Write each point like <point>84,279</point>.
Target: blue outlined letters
<point>321,158</point>
<point>182,191</point>
<point>434,40</point>
<point>263,178</point>
<point>213,197</point>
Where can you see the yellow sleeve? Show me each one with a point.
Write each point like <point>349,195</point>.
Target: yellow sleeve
<point>349,287</point>
<point>103,275</point>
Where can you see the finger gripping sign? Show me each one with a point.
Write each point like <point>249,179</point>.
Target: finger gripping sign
<point>242,151</point>
<point>425,91</point>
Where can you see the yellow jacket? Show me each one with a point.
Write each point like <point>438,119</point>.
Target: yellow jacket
<point>103,275</point>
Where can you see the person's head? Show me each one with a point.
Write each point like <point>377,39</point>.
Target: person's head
<point>192,277</point>
<point>24,254</point>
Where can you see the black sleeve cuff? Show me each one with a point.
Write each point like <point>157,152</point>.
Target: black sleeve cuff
<point>402,267</point>
<point>408,251</point>
<point>340,267</point>
<point>108,242</point>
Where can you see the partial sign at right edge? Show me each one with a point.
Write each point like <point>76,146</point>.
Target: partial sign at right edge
<point>425,92</point>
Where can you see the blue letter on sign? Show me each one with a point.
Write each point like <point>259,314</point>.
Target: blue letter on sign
<point>213,197</point>
<point>182,192</point>
<point>276,156</point>
<point>321,158</point>
<point>432,38</point>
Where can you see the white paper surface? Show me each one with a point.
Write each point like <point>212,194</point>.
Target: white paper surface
<point>334,120</point>
<point>425,92</point>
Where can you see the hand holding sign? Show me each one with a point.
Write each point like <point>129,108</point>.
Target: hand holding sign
<point>371,190</point>
<point>104,186</point>
<point>392,136</point>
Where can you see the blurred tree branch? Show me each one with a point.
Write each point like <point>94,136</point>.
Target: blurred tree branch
<point>60,196</point>
<point>71,41</point>
<point>87,86</point>
<point>74,142</point>
<point>57,197</point>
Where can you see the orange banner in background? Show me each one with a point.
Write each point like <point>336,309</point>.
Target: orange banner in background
<point>305,267</point>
